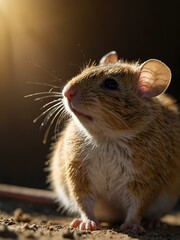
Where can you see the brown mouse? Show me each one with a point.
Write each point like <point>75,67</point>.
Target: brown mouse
<point>118,158</point>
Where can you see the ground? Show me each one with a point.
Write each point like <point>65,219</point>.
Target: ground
<point>25,221</point>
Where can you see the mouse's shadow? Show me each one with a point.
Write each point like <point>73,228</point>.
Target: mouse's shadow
<point>169,229</point>
<point>166,231</point>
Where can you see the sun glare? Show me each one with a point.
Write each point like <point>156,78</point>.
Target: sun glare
<point>3,4</point>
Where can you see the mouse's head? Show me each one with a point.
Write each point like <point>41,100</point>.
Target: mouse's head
<point>114,98</point>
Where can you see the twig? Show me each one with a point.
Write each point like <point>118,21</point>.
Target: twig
<point>31,195</point>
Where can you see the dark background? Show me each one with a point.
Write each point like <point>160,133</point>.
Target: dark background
<point>41,38</point>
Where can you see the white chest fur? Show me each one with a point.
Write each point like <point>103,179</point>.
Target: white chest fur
<point>109,170</point>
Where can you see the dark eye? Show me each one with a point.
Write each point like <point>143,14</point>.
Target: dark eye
<point>110,83</point>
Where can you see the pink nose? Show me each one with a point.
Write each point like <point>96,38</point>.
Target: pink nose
<point>69,93</point>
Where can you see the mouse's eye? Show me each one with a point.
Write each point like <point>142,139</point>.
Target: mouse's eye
<point>110,83</point>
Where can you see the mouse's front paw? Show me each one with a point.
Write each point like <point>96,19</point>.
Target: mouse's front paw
<point>84,225</point>
<point>132,228</point>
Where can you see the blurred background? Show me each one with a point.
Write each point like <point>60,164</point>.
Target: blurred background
<point>46,40</point>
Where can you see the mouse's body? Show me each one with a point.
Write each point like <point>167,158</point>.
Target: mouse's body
<point>118,158</point>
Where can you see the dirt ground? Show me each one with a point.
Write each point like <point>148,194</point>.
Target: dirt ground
<point>27,221</point>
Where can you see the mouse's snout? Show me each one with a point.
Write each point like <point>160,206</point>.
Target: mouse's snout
<point>69,92</point>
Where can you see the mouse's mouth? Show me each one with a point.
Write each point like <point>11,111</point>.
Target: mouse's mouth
<point>80,114</point>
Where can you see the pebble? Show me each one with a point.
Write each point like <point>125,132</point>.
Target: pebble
<point>18,213</point>
<point>5,232</point>
<point>20,216</point>
<point>67,233</point>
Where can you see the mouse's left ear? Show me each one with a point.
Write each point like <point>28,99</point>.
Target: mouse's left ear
<point>153,78</point>
<point>109,58</point>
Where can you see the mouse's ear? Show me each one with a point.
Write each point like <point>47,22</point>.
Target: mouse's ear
<point>109,58</point>
<point>154,78</point>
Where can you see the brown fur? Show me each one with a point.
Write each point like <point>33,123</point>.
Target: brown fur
<point>145,132</point>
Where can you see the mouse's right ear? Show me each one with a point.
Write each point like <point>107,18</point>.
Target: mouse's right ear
<point>109,58</point>
<point>153,78</point>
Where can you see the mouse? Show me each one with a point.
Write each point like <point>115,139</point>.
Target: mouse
<point>118,156</point>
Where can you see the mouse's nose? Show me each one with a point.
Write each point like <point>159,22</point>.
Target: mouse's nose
<point>69,92</point>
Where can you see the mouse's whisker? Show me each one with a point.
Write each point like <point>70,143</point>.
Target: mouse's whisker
<point>49,115</point>
<point>42,93</point>
<point>62,116</point>
<point>46,111</point>
<point>49,103</point>
<point>49,96</point>
<point>115,115</point>
<point>51,89</point>
<point>45,84</point>
<point>50,125</point>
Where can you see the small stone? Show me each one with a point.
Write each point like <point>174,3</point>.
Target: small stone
<point>18,213</point>
<point>26,226</point>
<point>5,232</point>
<point>33,227</point>
<point>20,216</point>
<point>51,228</point>
<point>30,235</point>
<point>67,233</point>
<point>10,222</point>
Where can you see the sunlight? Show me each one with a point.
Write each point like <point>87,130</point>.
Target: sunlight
<point>5,43</point>
<point>3,4</point>
<point>25,35</point>
<point>12,37</point>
